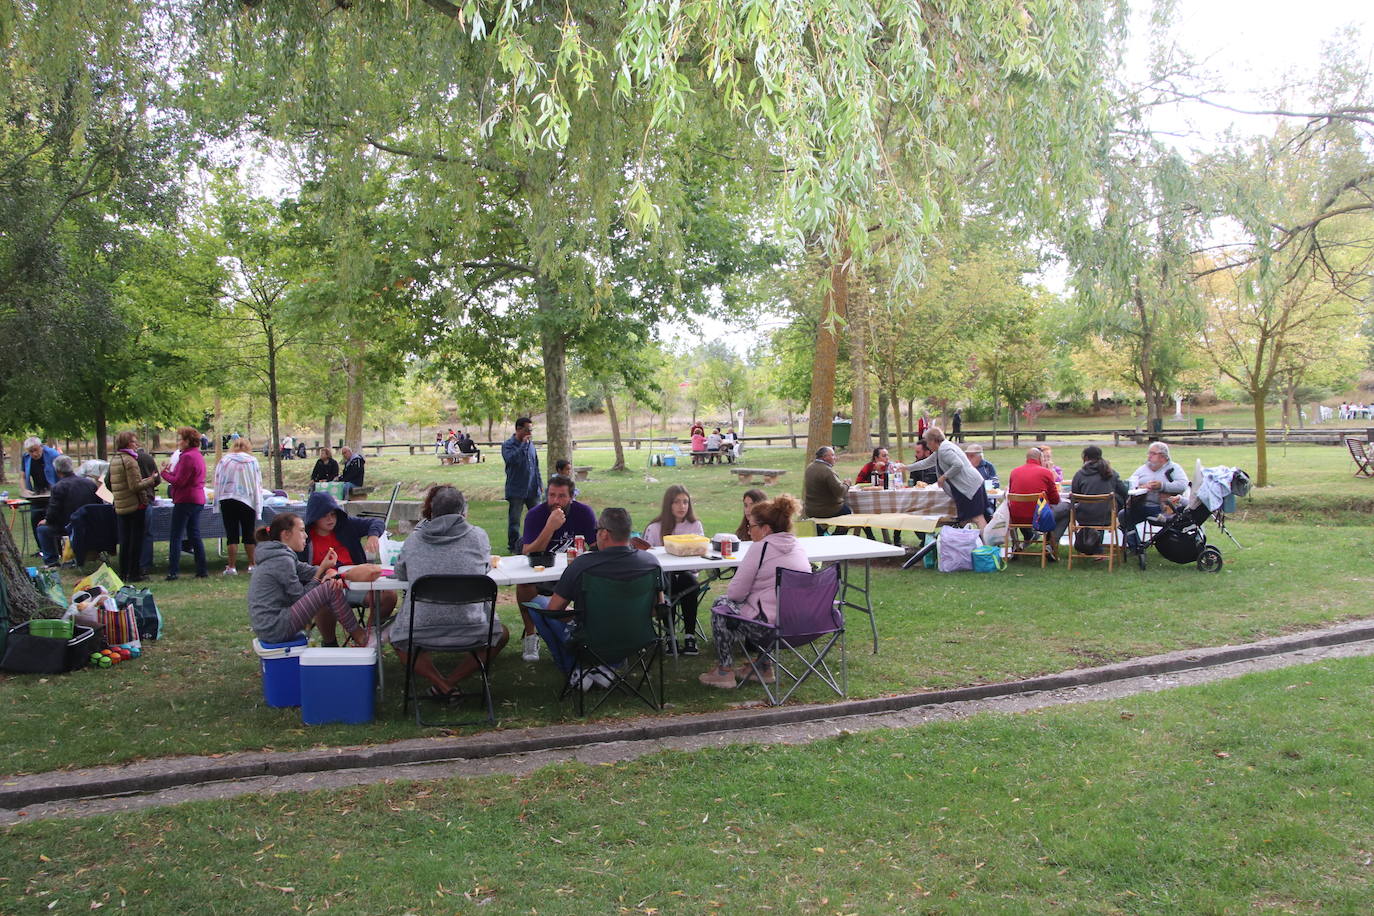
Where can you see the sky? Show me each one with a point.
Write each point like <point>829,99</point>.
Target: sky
<point>1246,45</point>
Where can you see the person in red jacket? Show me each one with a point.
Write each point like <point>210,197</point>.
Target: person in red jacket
<point>1034,477</point>
<point>187,478</point>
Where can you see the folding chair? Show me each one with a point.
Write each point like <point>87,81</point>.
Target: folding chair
<point>1359,452</point>
<point>1104,503</point>
<point>452,590</point>
<point>384,516</point>
<point>810,624</point>
<point>614,630</point>
<point>1018,542</point>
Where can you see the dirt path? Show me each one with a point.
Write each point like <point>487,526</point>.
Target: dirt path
<point>502,753</point>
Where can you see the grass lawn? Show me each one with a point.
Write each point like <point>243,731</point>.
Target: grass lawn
<point>197,690</point>
<point>1251,795</point>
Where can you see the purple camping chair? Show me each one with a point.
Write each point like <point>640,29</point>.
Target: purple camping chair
<point>810,624</point>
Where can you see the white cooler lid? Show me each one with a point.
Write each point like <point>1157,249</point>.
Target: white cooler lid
<point>350,656</point>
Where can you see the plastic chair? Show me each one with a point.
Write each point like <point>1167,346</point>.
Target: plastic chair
<point>453,590</point>
<point>616,631</point>
<point>1018,542</point>
<point>810,624</point>
<point>1098,505</point>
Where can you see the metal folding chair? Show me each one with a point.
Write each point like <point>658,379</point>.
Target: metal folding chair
<point>455,591</point>
<point>391,505</point>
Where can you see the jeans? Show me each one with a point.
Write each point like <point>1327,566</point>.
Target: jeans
<point>186,524</point>
<point>513,539</point>
<point>49,543</point>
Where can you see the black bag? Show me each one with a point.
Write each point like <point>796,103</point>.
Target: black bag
<point>146,615</point>
<point>1088,540</point>
<point>29,654</point>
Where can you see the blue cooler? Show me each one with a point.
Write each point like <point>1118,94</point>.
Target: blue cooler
<point>337,685</point>
<point>281,670</point>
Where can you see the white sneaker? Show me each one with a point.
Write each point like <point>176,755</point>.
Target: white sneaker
<point>530,648</point>
<point>600,677</point>
<point>230,571</point>
<point>250,570</point>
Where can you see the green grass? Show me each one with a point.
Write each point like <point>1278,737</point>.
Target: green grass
<point>197,691</point>
<point>1251,795</point>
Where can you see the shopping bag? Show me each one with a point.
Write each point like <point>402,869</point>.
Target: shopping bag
<point>146,615</point>
<point>103,577</point>
<point>988,559</point>
<point>48,585</point>
<point>956,548</point>
<point>388,551</point>
<point>68,554</point>
<point>996,530</point>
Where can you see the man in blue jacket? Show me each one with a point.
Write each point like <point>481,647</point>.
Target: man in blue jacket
<point>39,475</point>
<point>523,485</point>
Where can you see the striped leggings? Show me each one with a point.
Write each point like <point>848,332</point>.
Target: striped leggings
<point>323,598</point>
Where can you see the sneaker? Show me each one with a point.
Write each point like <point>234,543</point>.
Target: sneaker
<point>689,646</point>
<point>250,570</point>
<point>230,571</point>
<point>530,648</point>
<point>600,676</point>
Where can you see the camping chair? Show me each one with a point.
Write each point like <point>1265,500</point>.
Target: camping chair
<point>1359,452</point>
<point>614,630</point>
<point>452,590</point>
<point>810,623</point>
<point>1018,542</point>
<point>1111,532</point>
<point>384,516</point>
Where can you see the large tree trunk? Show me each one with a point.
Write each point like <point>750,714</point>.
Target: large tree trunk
<point>554,348</point>
<point>823,364</point>
<point>884,440</point>
<point>615,435</point>
<point>329,429</point>
<point>1261,451</point>
<point>860,438</point>
<point>353,416</point>
<point>101,430</point>
<point>20,596</point>
<point>4,457</point>
<point>273,409</point>
<point>897,425</point>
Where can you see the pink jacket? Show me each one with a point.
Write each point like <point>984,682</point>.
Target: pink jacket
<point>188,478</point>
<point>755,584</point>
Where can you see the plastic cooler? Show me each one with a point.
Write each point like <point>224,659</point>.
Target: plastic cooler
<point>281,670</point>
<point>337,685</point>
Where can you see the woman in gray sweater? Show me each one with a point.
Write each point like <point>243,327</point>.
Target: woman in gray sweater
<point>444,543</point>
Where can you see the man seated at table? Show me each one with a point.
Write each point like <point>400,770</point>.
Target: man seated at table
<point>1160,478</point>
<point>956,475</point>
<point>713,445</point>
<point>355,467</point>
<point>823,492</point>
<point>613,558</point>
<point>552,525</point>
<point>974,452</point>
<point>925,475</point>
<point>1034,477</point>
<point>70,493</point>
<point>467,447</point>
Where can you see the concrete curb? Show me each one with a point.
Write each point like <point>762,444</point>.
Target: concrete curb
<point>166,773</point>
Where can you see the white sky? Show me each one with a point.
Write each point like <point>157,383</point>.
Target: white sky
<point>1249,46</point>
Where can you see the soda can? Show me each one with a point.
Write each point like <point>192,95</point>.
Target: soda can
<point>727,548</point>
<point>580,542</point>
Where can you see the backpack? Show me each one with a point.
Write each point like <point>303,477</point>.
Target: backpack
<point>1088,540</point>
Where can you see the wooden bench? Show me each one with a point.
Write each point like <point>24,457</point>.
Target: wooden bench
<point>458,458</point>
<point>746,475</point>
<point>359,493</point>
<point>582,473</point>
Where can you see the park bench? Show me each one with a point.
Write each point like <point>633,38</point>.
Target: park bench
<point>359,493</point>
<point>746,475</point>
<point>458,458</point>
<point>705,456</point>
<point>583,472</point>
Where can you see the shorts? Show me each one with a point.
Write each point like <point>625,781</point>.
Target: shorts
<point>239,521</point>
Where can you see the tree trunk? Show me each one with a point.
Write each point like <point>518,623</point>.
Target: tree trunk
<point>897,425</point>
<point>329,428</point>
<point>4,457</point>
<point>554,349</point>
<point>883,440</point>
<point>100,430</point>
<point>274,442</point>
<point>791,426</point>
<point>910,414</point>
<point>860,438</point>
<point>219,438</point>
<point>824,362</point>
<point>353,410</point>
<point>21,598</point>
<point>615,435</point>
<point>1261,456</point>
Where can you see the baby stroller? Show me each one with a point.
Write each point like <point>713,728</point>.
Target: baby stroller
<point>1180,537</point>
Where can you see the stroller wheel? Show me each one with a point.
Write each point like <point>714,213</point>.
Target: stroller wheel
<point>1209,560</point>
<point>1140,556</point>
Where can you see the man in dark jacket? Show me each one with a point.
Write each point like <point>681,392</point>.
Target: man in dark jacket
<point>354,467</point>
<point>68,494</point>
<point>523,484</point>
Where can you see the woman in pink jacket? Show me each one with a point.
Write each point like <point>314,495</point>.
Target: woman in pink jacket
<point>188,500</point>
<point>753,590</point>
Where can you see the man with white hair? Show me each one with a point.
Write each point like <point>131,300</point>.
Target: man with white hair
<point>823,492</point>
<point>70,493</point>
<point>355,465</point>
<point>1158,477</point>
<point>38,475</point>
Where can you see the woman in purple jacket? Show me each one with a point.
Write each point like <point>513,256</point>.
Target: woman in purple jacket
<point>753,590</point>
<point>187,481</point>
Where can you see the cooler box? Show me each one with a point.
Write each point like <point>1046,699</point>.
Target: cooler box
<point>670,461</point>
<point>337,685</point>
<point>281,670</point>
